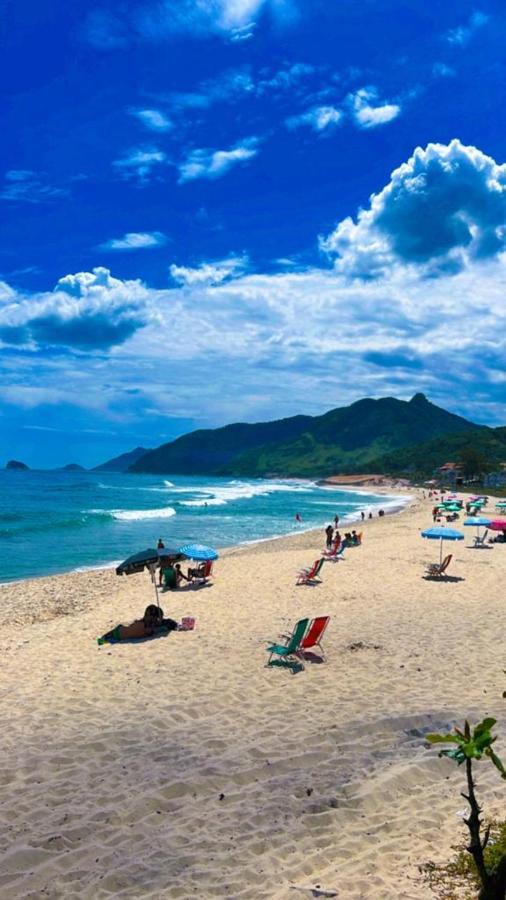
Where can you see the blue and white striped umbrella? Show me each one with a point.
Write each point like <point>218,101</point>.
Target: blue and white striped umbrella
<point>198,552</point>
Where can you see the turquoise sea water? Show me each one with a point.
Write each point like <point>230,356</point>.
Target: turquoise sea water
<point>60,521</point>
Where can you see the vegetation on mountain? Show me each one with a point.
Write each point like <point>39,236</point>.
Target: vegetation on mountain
<point>348,438</point>
<point>478,450</point>
<point>121,463</point>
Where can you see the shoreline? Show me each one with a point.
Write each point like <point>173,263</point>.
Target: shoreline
<point>347,519</point>
<point>181,766</point>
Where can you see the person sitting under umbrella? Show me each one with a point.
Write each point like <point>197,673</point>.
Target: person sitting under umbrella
<point>172,576</point>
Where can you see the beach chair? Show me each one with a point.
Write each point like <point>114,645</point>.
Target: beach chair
<point>312,574</point>
<point>480,541</point>
<point>288,650</point>
<point>200,575</point>
<point>435,570</point>
<point>313,636</point>
<point>335,553</point>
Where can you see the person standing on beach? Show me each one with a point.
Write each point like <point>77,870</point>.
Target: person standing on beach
<point>329,531</point>
<point>362,514</point>
<point>336,521</point>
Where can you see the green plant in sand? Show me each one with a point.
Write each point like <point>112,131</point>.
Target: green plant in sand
<point>470,746</point>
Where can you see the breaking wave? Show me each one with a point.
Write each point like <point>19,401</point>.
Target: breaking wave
<point>135,515</point>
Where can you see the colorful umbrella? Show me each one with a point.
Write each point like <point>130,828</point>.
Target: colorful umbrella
<point>478,522</point>
<point>498,525</point>
<point>198,552</point>
<point>442,534</point>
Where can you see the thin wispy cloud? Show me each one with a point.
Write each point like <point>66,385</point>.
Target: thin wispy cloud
<point>442,70</point>
<point>211,164</point>
<point>233,20</point>
<point>153,119</point>
<point>140,164</point>
<point>461,35</point>
<point>25,186</point>
<point>319,119</point>
<point>368,112</point>
<point>235,84</point>
<point>135,240</point>
<point>210,272</point>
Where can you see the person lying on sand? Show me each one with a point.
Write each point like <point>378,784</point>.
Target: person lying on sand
<point>151,623</point>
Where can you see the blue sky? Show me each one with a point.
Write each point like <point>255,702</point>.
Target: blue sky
<point>232,210</point>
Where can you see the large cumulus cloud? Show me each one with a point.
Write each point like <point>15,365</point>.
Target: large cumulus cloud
<point>442,209</point>
<point>86,311</point>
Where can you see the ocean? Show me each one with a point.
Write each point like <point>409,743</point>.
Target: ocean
<point>52,522</point>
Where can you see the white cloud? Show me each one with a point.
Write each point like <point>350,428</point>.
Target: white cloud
<point>255,346</point>
<point>88,311</point>
<point>26,186</point>
<point>261,346</point>
<point>285,79</point>
<point>227,87</point>
<point>443,208</point>
<point>442,70</point>
<point>210,272</point>
<point>203,163</point>
<point>233,19</point>
<point>139,163</point>
<point>463,33</point>
<point>320,119</point>
<point>153,119</point>
<point>135,240</point>
<point>366,111</point>
<point>232,85</point>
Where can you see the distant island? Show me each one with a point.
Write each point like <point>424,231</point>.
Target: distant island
<point>16,464</point>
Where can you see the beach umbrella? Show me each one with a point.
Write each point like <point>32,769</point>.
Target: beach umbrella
<point>172,553</point>
<point>501,504</point>
<point>148,559</point>
<point>498,525</point>
<point>478,522</point>
<point>198,552</point>
<point>442,534</point>
<point>138,561</point>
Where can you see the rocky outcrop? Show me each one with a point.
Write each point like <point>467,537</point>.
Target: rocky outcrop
<point>16,464</point>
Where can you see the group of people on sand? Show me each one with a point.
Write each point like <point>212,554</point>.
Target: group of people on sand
<point>171,574</point>
<point>334,540</point>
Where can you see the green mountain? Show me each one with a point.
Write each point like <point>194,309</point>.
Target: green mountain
<point>348,438</point>
<point>489,443</point>
<point>211,450</point>
<point>121,463</point>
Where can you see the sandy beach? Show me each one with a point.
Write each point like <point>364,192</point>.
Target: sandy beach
<point>182,767</point>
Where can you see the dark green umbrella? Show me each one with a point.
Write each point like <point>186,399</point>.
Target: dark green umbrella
<point>148,559</point>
